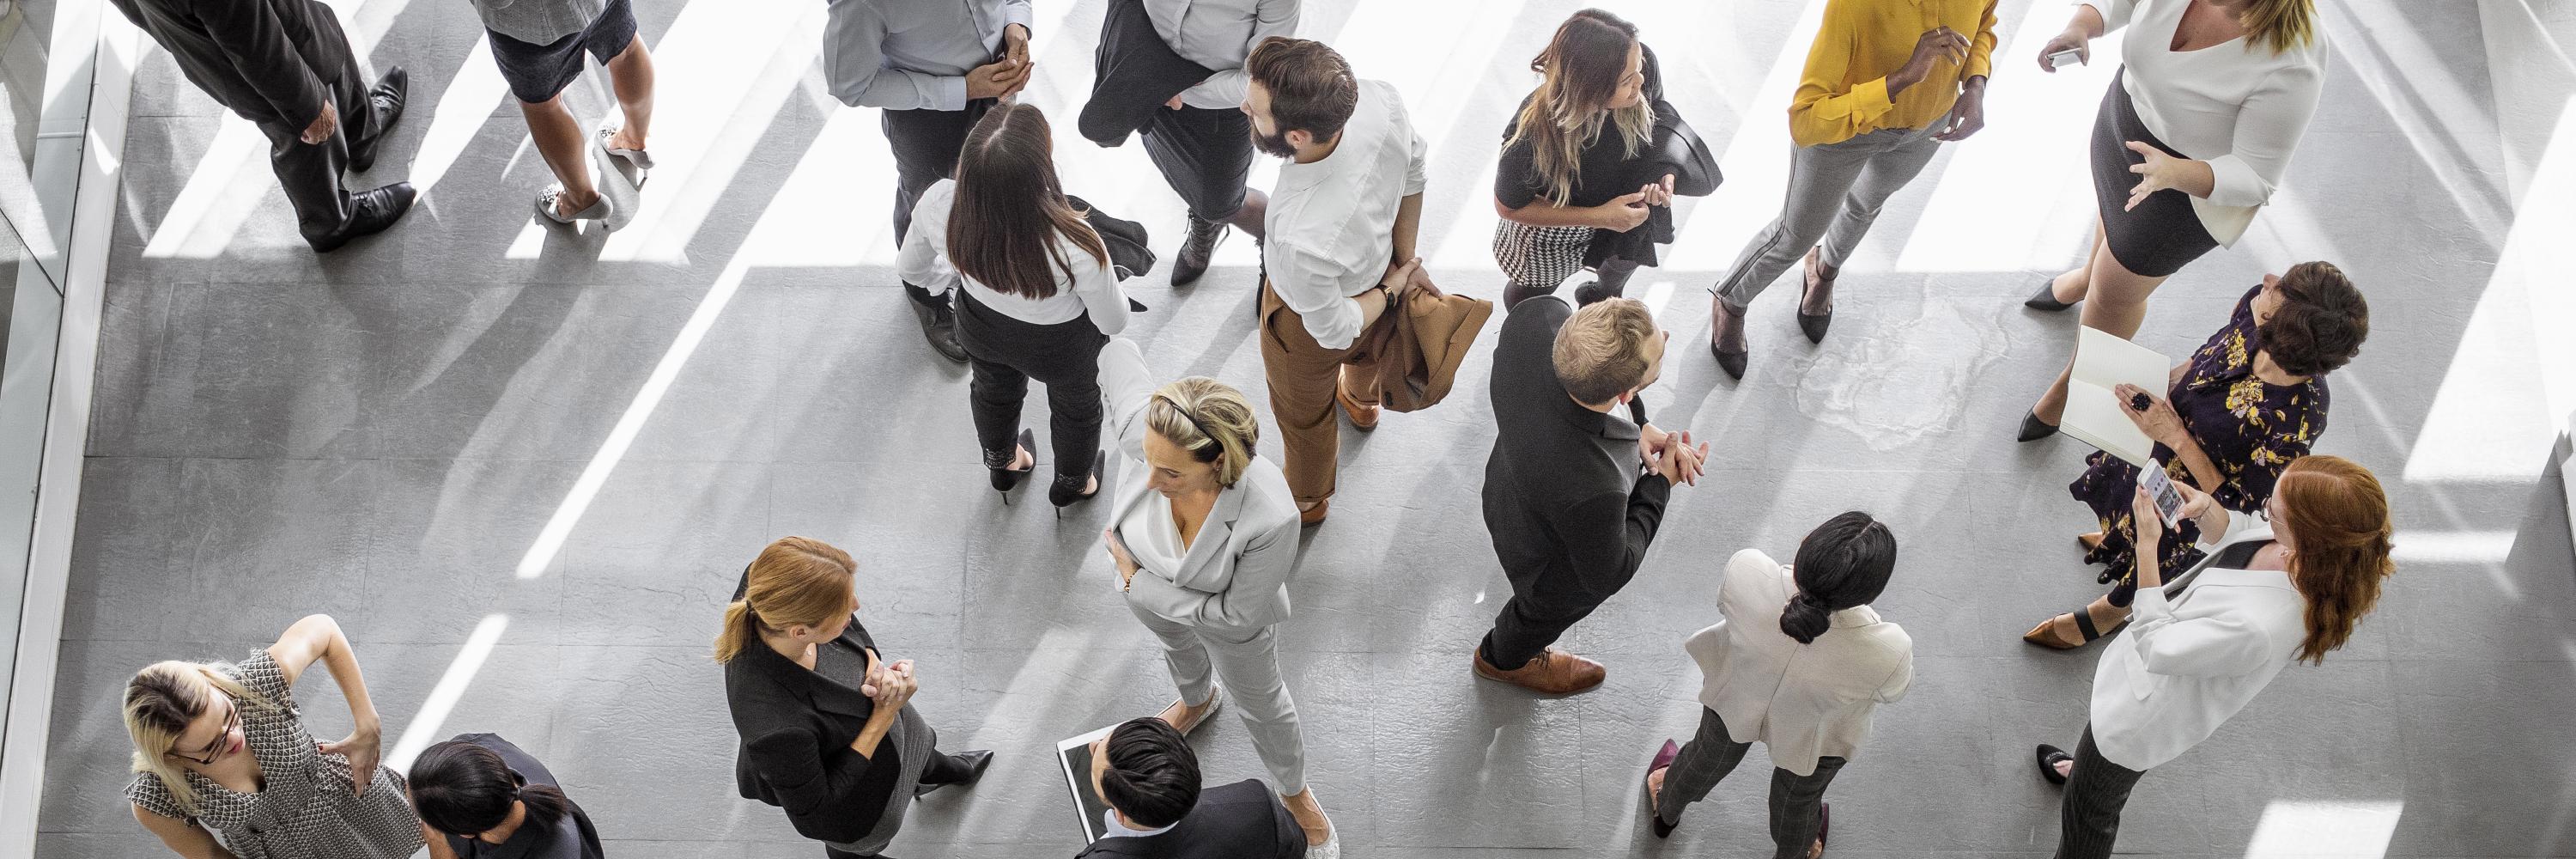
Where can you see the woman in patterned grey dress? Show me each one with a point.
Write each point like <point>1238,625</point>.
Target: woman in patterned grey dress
<point>224,767</point>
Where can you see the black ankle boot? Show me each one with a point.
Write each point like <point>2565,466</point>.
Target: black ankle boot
<point>1196,251</point>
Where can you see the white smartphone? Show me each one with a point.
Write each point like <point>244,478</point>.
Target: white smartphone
<point>2065,58</point>
<point>2160,488</point>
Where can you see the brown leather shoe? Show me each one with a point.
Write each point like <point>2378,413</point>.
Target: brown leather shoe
<point>1315,515</point>
<point>1552,672</point>
<point>1364,418</point>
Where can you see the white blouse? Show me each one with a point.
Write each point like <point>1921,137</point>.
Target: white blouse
<point>1803,701</point>
<point>1152,538</point>
<point>2236,105</point>
<point>1087,287</point>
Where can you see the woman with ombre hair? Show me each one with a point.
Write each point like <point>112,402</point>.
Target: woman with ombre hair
<point>2204,643</point>
<point>828,731</point>
<point>1579,185</point>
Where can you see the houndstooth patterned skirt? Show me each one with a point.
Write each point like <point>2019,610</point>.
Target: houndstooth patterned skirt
<point>1540,256</point>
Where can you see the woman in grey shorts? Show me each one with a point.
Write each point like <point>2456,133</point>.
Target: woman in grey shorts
<point>538,45</point>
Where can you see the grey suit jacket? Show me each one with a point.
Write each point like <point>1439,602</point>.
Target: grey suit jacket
<point>1236,573</point>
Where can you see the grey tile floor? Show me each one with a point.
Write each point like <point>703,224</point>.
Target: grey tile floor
<point>384,433</point>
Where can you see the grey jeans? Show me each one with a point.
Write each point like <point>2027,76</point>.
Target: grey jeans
<point>1835,191</point>
<point>1795,799</point>
<point>1248,662</point>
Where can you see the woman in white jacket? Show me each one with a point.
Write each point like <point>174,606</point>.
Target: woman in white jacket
<point>1798,661</point>
<point>2199,647</point>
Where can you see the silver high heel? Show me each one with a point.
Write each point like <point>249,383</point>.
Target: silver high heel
<point>598,211</point>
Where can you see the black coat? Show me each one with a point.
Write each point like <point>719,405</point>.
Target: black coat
<point>271,61</point>
<point>1563,492</point>
<point>796,729</point>
<point>1243,820</point>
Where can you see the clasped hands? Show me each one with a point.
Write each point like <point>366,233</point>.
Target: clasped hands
<point>1005,77</point>
<point>1627,211</point>
<point>890,686</point>
<point>1672,454</point>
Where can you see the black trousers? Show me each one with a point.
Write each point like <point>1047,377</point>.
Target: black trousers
<point>1205,154</point>
<point>925,144</point>
<point>309,173</point>
<point>1006,353</point>
<point>2088,815</point>
<point>1796,800</point>
<point>1548,597</point>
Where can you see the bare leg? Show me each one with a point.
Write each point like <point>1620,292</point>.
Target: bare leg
<point>558,137</point>
<point>1248,218</point>
<point>2116,302</point>
<point>630,73</point>
<point>2071,286</point>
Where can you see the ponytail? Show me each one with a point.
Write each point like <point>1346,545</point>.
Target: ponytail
<point>545,802</point>
<point>464,788</point>
<point>1804,619</point>
<point>741,630</point>
<point>796,580</point>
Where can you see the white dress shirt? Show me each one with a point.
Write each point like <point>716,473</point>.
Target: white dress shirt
<point>1219,34</point>
<point>2236,105</point>
<point>1803,701</point>
<point>1330,231</point>
<point>2188,662</point>
<point>1086,287</point>
<point>911,54</point>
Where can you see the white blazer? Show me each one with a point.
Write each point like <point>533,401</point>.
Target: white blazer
<point>1803,701</point>
<point>1235,575</point>
<point>2187,663</point>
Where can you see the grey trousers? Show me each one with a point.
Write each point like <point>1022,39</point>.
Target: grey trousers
<point>2088,816</point>
<point>1710,755</point>
<point>1248,663</point>
<point>1835,191</point>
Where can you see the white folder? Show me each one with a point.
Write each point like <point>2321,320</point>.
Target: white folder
<point>2094,414</point>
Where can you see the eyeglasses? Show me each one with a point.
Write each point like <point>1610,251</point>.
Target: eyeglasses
<point>232,721</point>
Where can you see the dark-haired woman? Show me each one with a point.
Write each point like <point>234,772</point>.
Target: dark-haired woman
<point>481,797</point>
<point>2209,639</point>
<point>1799,662</point>
<point>1581,183</point>
<point>1036,296</point>
<point>2247,404</point>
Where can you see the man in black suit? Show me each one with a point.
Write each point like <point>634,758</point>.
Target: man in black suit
<point>1573,495</point>
<point>286,66</point>
<point>1148,775</point>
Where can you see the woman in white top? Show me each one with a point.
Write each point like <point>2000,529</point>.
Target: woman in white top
<point>1799,661</point>
<point>2191,140</point>
<point>1204,536</point>
<point>1037,296</point>
<point>2199,647</point>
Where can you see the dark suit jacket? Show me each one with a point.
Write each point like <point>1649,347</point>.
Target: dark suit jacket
<point>796,729</point>
<point>1243,820</point>
<point>1562,491</point>
<point>269,60</point>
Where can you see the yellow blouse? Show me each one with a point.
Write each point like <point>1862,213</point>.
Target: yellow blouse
<point>1843,93</point>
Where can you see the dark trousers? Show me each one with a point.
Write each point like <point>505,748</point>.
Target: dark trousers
<point>1548,597</point>
<point>1006,353</point>
<point>1205,154</point>
<point>1710,755</point>
<point>925,144</point>
<point>309,173</point>
<point>2088,815</point>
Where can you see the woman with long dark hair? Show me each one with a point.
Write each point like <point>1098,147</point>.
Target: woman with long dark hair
<point>1037,296</point>
<point>1579,185</point>
<point>482,797</point>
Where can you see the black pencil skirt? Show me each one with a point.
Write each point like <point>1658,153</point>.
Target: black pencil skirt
<point>2162,234</point>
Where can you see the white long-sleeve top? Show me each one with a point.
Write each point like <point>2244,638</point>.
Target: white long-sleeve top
<point>2188,662</point>
<point>1219,34</point>
<point>1331,225</point>
<point>2236,105</point>
<point>1087,287</point>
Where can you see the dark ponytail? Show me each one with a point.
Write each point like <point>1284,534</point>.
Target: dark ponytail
<point>464,789</point>
<point>1843,563</point>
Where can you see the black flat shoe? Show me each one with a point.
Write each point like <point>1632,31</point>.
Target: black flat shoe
<point>1007,478</point>
<point>372,212</point>
<point>1065,493</point>
<point>2034,429</point>
<point>2048,757</point>
<point>2047,298</point>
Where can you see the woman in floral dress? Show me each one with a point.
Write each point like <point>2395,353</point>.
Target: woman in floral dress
<point>2249,401</point>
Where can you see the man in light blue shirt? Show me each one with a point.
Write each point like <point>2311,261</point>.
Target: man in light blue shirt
<point>934,66</point>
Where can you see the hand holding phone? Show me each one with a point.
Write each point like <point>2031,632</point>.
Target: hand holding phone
<point>2062,59</point>
<point>2160,488</point>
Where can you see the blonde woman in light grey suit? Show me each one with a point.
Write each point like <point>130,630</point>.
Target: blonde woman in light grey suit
<point>1204,535</point>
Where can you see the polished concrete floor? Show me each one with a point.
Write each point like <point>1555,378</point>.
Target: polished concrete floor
<point>523,464</point>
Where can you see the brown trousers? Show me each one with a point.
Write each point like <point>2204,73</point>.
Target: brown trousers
<point>1302,375</point>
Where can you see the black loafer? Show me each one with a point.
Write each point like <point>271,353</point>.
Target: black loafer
<point>2034,429</point>
<point>371,212</point>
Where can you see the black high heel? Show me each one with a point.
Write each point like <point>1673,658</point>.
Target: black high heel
<point>2034,429</point>
<point>2048,757</point>
<point>2047,297</point>
<point>1065,493</point>
<point>1007,478</point>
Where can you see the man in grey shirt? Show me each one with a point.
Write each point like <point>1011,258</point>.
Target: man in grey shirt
<point>1173,70</point>
<point>935,66</point>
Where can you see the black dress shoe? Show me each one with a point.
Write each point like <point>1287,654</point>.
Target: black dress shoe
<point>1196,251</point>
<point>976,762</point>
<point>2047,298</point>
<point>938,322</point>
<point>370,213</point>
<point>2034,429</point>
<point>387,96</point>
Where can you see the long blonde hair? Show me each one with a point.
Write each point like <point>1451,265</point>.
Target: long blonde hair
<point>795,580</point>
<point>1578,73</point>
<point>2279,24</point>
<point>160,702</point>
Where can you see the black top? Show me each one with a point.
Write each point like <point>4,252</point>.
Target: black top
<point>1243,820</point>
<point>571,837</point>
<point>1563,487</point>
<point>1607,173</point>
<point>263,59</point>
<point>796,727</point>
